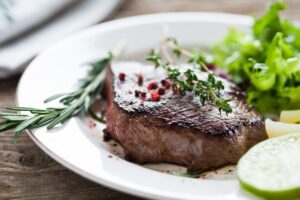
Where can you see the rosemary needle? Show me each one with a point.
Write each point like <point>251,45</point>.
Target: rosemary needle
<point>72,103</point>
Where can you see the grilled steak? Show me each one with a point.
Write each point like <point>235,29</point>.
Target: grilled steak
<point>177,129</point>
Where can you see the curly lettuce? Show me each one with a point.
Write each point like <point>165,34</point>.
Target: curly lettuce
<point>265,61</point>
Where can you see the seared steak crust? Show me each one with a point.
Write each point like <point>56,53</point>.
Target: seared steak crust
<point>177,129</point>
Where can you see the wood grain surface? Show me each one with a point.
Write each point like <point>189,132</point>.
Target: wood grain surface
<point>28,173</point>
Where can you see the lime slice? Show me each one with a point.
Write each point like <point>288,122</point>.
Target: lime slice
<point>271,169</point>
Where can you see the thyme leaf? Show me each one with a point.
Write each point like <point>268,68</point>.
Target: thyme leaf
<point>188,81</point>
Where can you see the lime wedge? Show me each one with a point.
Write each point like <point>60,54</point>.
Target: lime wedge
<point>271,169</point>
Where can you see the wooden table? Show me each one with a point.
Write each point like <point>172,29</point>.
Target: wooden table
<point>28,173</point>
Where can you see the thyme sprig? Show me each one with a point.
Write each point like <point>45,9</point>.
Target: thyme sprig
<point>188,81</point>
<point>72,104</point>
<point>195,58</point>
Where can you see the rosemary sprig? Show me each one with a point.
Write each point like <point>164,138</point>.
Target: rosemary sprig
<point>188,81</point>
<point>73,103</point>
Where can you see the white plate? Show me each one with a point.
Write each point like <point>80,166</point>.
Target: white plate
<point>81,148</point>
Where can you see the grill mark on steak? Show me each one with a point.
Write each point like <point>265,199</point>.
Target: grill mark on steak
<point>178,129</point>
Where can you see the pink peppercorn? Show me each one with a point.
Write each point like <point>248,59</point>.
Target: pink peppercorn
<point>166,83</point>
<point>152,86</point>
<point>161,90</point>
<point>155,96</point>
<point>211,67</point>
<point>122,76</point>
<point>140,79</point>
<point>137,93</point>
<point>143,94</point>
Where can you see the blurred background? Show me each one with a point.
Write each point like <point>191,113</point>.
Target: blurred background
<point>29,26</point>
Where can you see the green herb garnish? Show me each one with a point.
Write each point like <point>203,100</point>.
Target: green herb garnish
<point>266,61</point>
<point>188,81</point>
<point>72,104</point>
<point>191,174</point>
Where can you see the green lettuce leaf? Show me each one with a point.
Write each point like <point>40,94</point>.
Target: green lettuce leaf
<point>269,24</point>
<point>266,61</point>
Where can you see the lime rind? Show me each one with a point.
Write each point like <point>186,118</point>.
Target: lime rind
<point>288,194</point>
<point>271,169</point>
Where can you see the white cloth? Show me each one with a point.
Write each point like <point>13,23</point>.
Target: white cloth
<point>27,14</point>
<point>16,54</point>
